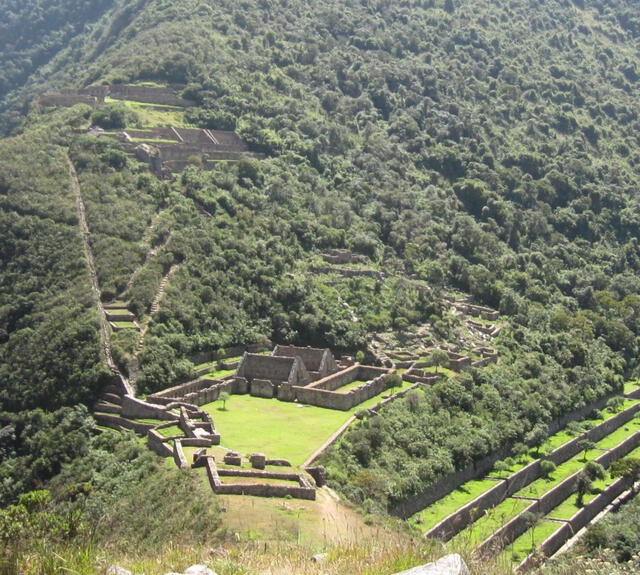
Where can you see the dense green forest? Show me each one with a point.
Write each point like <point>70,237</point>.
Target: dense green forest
<point>484,146</point>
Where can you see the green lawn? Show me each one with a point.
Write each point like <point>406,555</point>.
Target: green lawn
<point>522,546</point>
<point>279,429</point>
<point>171,431</point>
<point>125,324</point>
<point>432,515</point>
<point>118,311</point>
<point>219,373</point>
<point>568,508</point>
<point>152,115</point>
<point>630,386</point>
<point>493,520</point>
<point>619,435</point>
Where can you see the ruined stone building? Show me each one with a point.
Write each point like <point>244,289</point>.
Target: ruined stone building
<point>318,362</point>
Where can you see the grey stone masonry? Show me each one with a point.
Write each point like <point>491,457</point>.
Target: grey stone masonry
<point>273,368</point>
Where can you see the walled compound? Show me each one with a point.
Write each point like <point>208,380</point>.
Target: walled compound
<point>96,95</point>
<point>303,374</point>
<point>172,149</point>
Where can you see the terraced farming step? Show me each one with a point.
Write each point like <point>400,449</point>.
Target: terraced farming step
<point>452,513</point>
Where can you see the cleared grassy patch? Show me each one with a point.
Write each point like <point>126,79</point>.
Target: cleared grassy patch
<point>432,515</point>
<point>125,324</point>
<point>491,521</point>
<point>219,373</point>
<point>539,487</point>
<point>280,429</point>
<point>252,480</point>
<point>170,431</point>
<point>528,541</point>
<point>619,435</point>
<point>154,115</point>
<point>631,386</point>
<point>349,386</point>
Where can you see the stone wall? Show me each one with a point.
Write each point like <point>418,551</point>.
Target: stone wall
<point>149,94</point>
<point>115,421</point>
<point>233,351</point>
<point>66,100</point>
<point>447,484</point>
<point>322,393</point>
<point>139,409</point>
<point>350,272</point>
<point>178,455</point>
<point>552,499</point>
<point>580,520</point>
<point>303,489</point>
<point>157,443</point>
<point>263,388</point>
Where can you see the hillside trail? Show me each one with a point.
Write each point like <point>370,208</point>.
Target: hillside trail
<point>152,254</point>
<point>155,307</point>
<point>105,330</point>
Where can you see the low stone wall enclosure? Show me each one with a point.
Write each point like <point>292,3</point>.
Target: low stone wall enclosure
<point>284,376</point>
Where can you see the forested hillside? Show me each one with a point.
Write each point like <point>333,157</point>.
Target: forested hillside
<point>484,146</point>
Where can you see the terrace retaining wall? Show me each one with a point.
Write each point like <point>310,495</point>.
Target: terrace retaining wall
<point>552,498</point>
<point>580,520</point>
<point>318,394</point>
<point>136,408</point>
<point>450,482</point>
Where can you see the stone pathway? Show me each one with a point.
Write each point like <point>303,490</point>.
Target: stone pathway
<point>95,287</point>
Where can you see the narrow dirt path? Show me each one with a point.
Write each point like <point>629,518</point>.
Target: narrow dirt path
<point>105,330</point>
<point>155,306</point>
<point>150,256</point>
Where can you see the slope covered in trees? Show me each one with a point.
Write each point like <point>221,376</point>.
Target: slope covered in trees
<point>486,146</point>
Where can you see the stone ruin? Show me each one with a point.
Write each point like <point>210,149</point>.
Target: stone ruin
<point>340,256</point>
<point>222,481</point>
<point>96,95</point>
<point>303,374</point>
<point>173,149</point>
<point>310,376</point>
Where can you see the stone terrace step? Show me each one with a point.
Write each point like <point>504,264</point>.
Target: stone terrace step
<point>105,407</point>
<point>112,398</point>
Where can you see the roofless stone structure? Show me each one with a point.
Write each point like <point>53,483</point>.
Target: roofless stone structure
<point>318,362</point>
<point>273,368</point>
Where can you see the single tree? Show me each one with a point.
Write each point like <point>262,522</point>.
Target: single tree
<point>585,445</point>
<point>224,397</point>
<point>537,436</point>
<point>547,467</point>
<point>583,486</point>
<point>520,450</point>
<point>439,358</point>
<point>532,520</point>
<point>615,404</point>
<point>629,468</point>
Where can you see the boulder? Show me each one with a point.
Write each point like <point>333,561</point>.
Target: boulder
<point>447,565</point>
<point>115,570</point>
<point>199,570</point>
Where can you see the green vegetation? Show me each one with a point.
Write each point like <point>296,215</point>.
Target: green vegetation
<point>145,115</point>
<point>433,514</point>
<point>526,544</point>
<point>485,147</point>
<point>492,520</point>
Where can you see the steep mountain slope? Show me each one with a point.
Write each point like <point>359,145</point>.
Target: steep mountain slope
<point>485,146</point>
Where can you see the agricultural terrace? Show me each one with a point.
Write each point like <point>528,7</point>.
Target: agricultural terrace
<point>154,115</point>
<point>279,429</point>
<point>529,541</point>
<point>438,511</point>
